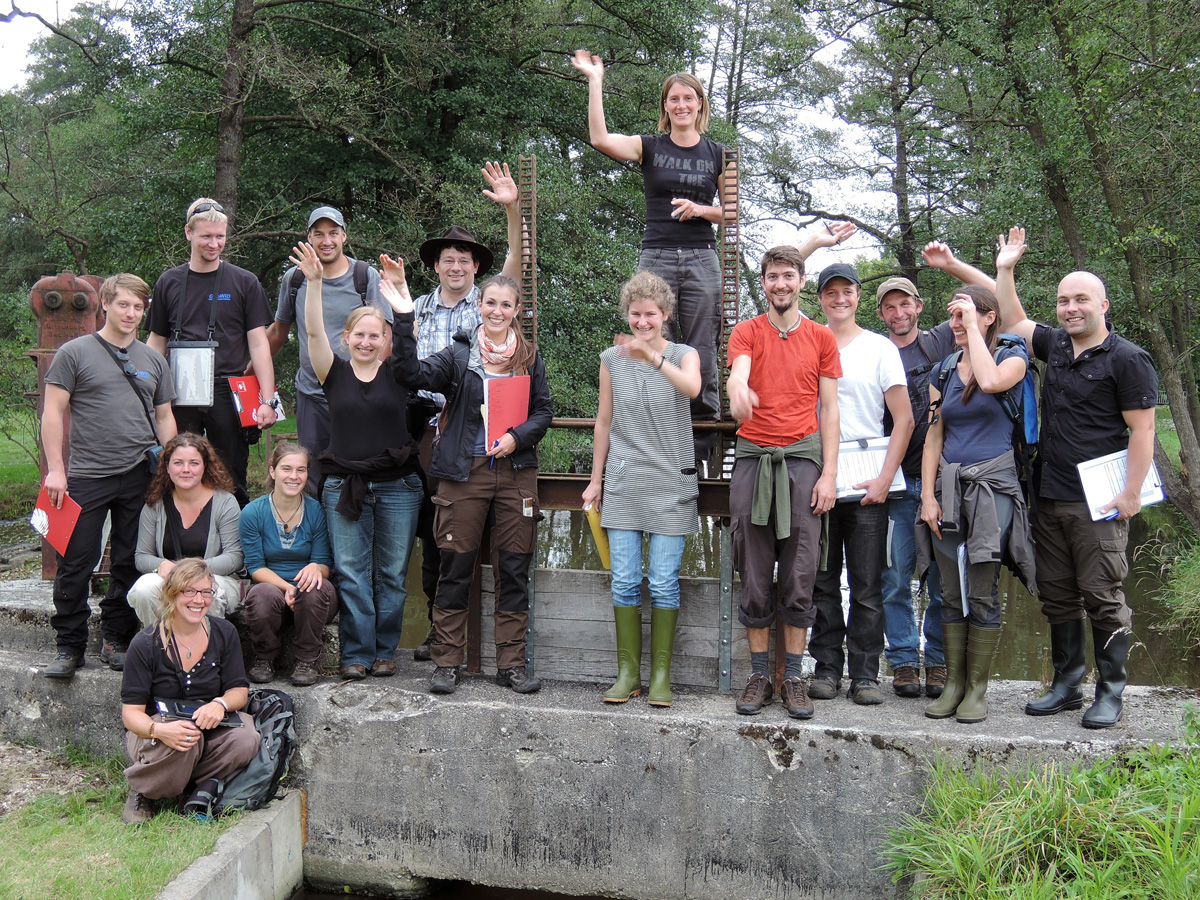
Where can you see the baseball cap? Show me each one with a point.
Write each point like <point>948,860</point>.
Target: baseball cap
<point>837,270</point>
<point>896,284</point>
<point>326,212</point>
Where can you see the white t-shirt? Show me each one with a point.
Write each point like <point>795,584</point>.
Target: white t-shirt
<point>870,365</point>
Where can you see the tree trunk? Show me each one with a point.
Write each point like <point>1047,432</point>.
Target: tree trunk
<point>230,131</point>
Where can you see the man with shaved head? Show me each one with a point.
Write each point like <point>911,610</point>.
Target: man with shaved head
<point>1098,397</point>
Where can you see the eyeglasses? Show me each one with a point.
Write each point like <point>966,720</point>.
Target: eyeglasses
<point>192,592</point>
<point>122,355</point>
<point>206,207</point>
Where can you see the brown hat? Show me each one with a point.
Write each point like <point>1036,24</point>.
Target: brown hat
<point>896,284</point>
<point>432,248</point>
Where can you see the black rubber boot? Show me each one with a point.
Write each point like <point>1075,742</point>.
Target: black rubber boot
<point>1068,653</point>
<point>1112,649</point>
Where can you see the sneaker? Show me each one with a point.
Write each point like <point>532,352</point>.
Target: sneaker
<point>262,672</point>
<point>113,654</point>
<point>138,809</point>
<point>865,692</point>
<point>64,665</point>
<point>422,653</point>
<point>383,668</point>
<point>519,680</point>
<point>935,681</point>
<point>906,681</point>
<point>444,680</point>
<point>822,687</point>
<point>200,804</point>
<point>794,694</point>
<point>305,674</point>
<point>755,695</point>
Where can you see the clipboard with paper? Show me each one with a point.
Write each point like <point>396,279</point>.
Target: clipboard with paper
<point>860,461</point>
<point>1104,477</point>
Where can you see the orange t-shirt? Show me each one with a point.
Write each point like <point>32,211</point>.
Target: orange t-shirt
<point>786,375</point>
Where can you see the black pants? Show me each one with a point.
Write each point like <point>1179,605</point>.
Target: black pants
<point>122,496</point>
<point>221,425</point>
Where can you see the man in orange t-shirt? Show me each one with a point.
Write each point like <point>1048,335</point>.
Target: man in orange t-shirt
<point>780,365</point>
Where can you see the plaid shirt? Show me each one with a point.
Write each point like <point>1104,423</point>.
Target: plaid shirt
<point>437,324</point>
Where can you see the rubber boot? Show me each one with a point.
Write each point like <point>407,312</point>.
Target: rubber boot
<point>1067,651</point>
<point>1112,649</point>
<point>629,654</point>
<point>954,640</point>
<point>662,645</point>
<point>981,648</point>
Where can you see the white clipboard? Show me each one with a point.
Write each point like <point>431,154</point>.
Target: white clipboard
<point>1104,477</point>
<point>860,461</point>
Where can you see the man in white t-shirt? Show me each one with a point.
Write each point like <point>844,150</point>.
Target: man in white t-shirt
<point>872,380</point>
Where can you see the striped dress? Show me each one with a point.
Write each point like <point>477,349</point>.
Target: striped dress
<point>650,481</point>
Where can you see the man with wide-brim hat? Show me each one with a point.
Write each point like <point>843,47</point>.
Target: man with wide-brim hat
<point>453,306</point>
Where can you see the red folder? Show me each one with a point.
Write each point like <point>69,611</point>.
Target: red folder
<point>55,525</point>
<point>246,398</point>
<point>506,405</point>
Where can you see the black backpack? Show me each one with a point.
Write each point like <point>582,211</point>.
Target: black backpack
<point>258,783</point>
<point>361,282</point>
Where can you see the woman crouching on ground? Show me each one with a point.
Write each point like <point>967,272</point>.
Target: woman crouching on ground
<point>186,655</point>
<point>474,478</point>
<point>286,544</point>
<point>643,437</point>
<point>970,496</point>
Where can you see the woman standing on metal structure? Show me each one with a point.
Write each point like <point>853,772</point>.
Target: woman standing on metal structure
<point>683,172</point>
<point>643,438</point>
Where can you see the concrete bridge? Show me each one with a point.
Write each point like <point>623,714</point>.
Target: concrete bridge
<point>558,792</point>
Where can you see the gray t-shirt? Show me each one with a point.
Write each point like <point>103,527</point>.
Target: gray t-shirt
<point>110,433</point>
<point>338,300</point>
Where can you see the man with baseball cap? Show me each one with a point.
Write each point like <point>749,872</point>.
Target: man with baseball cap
<point>899,305</point>
<point>458,260</point>
<point>347,284</point>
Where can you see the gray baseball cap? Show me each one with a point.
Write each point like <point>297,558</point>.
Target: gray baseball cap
<point>326,212</point>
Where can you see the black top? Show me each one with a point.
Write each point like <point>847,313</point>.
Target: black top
<point>368,418</point>
<point>919,358</point>
<point>182,542</point>
<point>242,306</point>
<point>150,674</point>
<point>672,172</point>
<point>1082,401</point>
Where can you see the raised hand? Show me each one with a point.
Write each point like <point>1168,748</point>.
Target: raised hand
<point>393,270</point>
<point>937,255</point>
<point>1009,250</point>
<point>833,233</point>
<point>504,189</point>
<point>590,65</point>
<point>398,298</point>
<point>305,257</point>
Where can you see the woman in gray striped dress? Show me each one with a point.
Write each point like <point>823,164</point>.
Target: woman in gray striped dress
<point>643,466</point>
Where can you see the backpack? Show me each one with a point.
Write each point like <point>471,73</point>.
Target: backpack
<point>361,282</point>
<point>258,783</point>
<point>1019,403</point>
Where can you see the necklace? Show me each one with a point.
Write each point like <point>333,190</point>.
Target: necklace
<point>286,524</point>
<point>188,647</point>
<point>784,332</point>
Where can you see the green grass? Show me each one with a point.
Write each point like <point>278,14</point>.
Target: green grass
<point>1125,827</point>
<point>1164,427</point>
<point>75,847</point>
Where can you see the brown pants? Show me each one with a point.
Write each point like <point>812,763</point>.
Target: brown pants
<point>1081,565</point>
<point>267,610</point>
<point>158,771</point>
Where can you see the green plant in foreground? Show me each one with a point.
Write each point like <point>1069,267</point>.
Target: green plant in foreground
<point>1126,827</point>
<point>74,847</point>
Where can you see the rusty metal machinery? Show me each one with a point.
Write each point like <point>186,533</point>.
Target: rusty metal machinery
<point>527,203</point>
<point>731,270</point>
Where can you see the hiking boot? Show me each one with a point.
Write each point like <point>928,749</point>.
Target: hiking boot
<point>865,692</point>
<point>383,668</point>
<point>935,681</point>
<point>262,672</point>
<point>755,695</point>
<point>519,680</point>
<point>64,665</point>
<point>794,694</point>
<point>822,687</point>
<point>138,809</point>
<point>353,672</point>
<point>444,680</point>
<point>422,652</point>
<point>305,674</point>
<point>113,655</point>
<point>200,804</point>
<point>906,681</point>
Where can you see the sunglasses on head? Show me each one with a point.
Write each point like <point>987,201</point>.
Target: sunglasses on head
<point>206,207</point>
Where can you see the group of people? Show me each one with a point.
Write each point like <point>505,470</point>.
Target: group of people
<point>394,445</point>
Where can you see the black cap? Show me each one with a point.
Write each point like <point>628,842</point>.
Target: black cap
<point>837,270</point>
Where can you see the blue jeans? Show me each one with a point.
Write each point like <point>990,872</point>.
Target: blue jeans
<point>625,552</point>
<point>899,619</point>
<point>370,557</point>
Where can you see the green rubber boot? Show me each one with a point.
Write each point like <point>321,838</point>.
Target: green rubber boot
<point>981,648</point>
<point>954,639</point>
<point>629,654</point>
<point>662,645</point>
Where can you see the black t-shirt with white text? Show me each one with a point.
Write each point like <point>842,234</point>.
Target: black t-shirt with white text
<point>672,172</point>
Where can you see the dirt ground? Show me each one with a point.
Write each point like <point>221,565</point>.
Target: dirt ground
<point>26,773</point>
